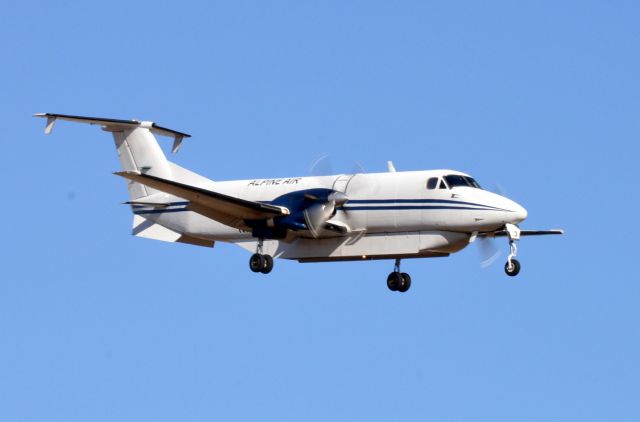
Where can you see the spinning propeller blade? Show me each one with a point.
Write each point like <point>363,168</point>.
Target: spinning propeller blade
<point>321,166</point>
<point>489,251</point>
<point>487,246</point>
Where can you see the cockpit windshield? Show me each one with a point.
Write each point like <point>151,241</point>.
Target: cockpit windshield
<point>454,180</point>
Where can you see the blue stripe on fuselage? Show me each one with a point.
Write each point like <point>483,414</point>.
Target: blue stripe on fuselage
<point>418,201</point>
<point>414,207</point>
<point>371,202</point>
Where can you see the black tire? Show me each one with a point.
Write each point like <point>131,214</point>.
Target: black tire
<point>515,270</point>
<point>268,264</point>
<point>256,262</point>
<point>405,283</point>
<point>393,281</point>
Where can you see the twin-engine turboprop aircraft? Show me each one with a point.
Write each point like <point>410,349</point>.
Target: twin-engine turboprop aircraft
<point>346,217</point>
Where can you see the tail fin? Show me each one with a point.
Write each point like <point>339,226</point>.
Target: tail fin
<point>137,148</point>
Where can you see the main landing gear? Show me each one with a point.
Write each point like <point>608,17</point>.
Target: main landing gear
<point>259,263</point>
<point>512,267</point>
<point>397,281</point>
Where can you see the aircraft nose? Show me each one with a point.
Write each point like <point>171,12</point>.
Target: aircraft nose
<point>519,213</point>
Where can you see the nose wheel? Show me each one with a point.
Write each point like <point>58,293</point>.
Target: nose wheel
<point>512,268</point>
<point>259,263</point>
<point>398,281</point>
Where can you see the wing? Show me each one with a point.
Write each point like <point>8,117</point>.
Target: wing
<point>502,233</point>
<point>225,209</point>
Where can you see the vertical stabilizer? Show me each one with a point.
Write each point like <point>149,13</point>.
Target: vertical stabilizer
<point>138,150</point>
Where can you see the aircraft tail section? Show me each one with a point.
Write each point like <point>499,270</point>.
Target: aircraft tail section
<point>139,153</point>
<point>137,147</point>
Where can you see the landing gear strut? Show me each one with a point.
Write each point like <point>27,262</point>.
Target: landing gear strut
<point>397,281</point>
<point>259,263</point>
<point>512,267</point>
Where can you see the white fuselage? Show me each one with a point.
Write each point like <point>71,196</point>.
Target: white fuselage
<point>392,214</point>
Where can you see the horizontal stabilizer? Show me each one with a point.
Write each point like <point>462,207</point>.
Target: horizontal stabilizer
<point>150,230</point>
<point>115,124</point>
<point>153,204</point>
<point>226,209</point>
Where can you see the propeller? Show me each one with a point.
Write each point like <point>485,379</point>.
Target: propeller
<point>489,251</point>
<point>322,166</point>
<point>487,246</point>
<point>317,214</point>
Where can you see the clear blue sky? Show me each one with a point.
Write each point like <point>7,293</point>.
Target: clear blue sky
<point>542,98</point>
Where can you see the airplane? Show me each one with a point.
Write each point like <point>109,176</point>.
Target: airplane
<point>345,217</point>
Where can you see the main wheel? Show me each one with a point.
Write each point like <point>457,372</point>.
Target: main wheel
<point>393,281</point>
<point>405,282</point>
<point>256,262</point>
<point>512,270</point>
<point>268,264</point>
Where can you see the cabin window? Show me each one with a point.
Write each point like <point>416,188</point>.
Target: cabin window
<point>432,183</point>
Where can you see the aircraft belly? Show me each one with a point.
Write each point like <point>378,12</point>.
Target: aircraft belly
<point>374,245</point>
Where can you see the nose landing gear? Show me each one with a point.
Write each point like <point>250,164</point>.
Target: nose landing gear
<point>512,267</point>
<point>397,281</point>
<point>259,263</point>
